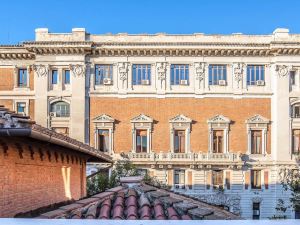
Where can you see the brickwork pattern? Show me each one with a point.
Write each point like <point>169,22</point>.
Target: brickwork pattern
<point>161,110</point>
<point>33,175</point>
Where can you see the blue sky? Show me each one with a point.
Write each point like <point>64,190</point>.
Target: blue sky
<point>19,18</point>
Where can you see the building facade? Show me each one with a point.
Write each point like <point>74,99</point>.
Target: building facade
<point>215,116</point>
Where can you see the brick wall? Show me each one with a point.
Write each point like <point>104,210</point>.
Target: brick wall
<point>32,176</point>
<point>6,79</point>
<point>161,110</point>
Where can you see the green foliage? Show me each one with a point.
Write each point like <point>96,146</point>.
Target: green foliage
<point>100,182</point>
<point>290,180</point>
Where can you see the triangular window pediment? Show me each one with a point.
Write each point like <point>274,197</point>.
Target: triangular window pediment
<point>257,119</point>
<point>180,119</point>
<point>103,119</point>
<point>219,119</point>
<point>141,119</point>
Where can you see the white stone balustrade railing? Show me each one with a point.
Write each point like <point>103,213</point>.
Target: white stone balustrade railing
<point>158,157</point>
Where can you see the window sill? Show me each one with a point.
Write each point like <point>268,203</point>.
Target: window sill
<point>21,88</point>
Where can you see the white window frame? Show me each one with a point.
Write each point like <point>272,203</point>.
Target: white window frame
<point>16,75</point>
<point>26,101</point>
<point>219,122</point>
<point>141,122</point>
<point>258,123</point>
<point>104,122</point>
<point>180,122</point>
<point>180,185</point>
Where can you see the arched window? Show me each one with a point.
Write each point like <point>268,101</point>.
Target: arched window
<point>62,109</point>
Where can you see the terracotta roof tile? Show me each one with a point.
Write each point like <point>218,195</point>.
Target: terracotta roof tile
<point>186,217</point>
<point>105,212</point>
<point>91,213</point>
<point>118,212</point>
<point>132,204</point>
<point>172,214</point>
<point>145,213</point>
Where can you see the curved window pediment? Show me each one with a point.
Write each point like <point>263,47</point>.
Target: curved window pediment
<point>61,108</point>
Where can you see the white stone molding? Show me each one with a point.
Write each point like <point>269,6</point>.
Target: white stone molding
<point>199,70</point>
<point>92,75</point>
<point>161,69</point>
<point>219,122</point>
<point>180,122</point>
<point>257,122</point>
<point>77,69</point>
<point>123,69</point>
<point>142,122</point>
<point>104,122</point>
<point>283,70</point>
<point>238,70</point>
<point>41,70</point>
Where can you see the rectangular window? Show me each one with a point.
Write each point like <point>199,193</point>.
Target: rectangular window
<point>179,141</point>
<point>22,78</point>
<point>21,106</point>
<point>296,111</point>
<point>179,178</point>
<point>217,179</point>
<point>256,210</point>
<point>67,77</point>
<point>255,75</point>
<point>179,74</point>
<point>141,74</point>
<point>256,142</point>
<point>103,74</point>
<point>103,141</point>
<point>293,77</point>
<point>141,141</point>
<point>255,179</point>
<point>296,141</point>
<point>217,75</point>
<point>218,141</point>
<point>54,77</point>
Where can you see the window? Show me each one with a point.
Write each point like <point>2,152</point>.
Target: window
<point>103,141</point>
<point>296,111</point>
<point>62,109</point>
<point>217,179</point>
<point>141,74</point>
<point>179,178</point>
<point>22,78</point>
<point>217,74</point>
<point>293,77</point>
<point>256,142</point>
<point>255,179</point>
<point>256,210</point>
<point>295,142</point>
<point>179,141</point>
<point>67,77</point>
<point>141,141</point>
<point>54,77</point>
<point>255,74</point>
<point>21,106</point>
<point>179,74</point>
<point>218,141</point>
<point>103,74</point>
